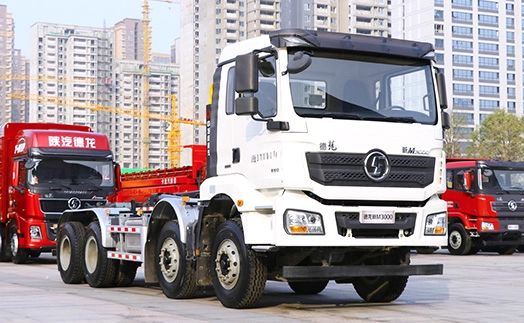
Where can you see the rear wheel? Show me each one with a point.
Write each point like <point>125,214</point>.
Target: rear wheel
<point>383,288</point>
<point>99,270</point>
<point>175,272</point>
<point>459,241</point>
<point>18,255</point>
<point>239,276</point>
<point>4,250</point>
<point>308,288</point>
<point>126,273</point>
<point>69,252</point>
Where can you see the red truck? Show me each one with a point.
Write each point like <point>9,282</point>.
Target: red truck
<point>485,205</point>
<point>45,169</point>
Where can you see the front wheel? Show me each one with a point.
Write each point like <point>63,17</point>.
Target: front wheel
<point>176,274</point>
<point>239,276</point>
<point>69,252</point>
<point>459,241</point>
<point>18,255</point>
<point>100,271</point>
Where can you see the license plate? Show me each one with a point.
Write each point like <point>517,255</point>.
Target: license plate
<point>379,217</point>
<point>513,226</point>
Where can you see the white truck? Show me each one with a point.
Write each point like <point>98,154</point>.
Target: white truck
<point>324,163</point>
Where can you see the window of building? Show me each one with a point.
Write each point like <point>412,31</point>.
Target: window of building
<point>488,76</point>
<point>462,45</point>
<point>489,104</point>
<point>462,88</point>
<point>462,103</point>
<point>489,90</point>
<point>463,59</point>
<point>462,74</point>
<point>462,31</point>
<point>488,33</point>
<point>462,16</point>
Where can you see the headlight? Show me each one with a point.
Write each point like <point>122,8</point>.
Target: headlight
<point>302,222</point>
<point>487,226</point>
<point>35,233</point>
<point>436,224</point>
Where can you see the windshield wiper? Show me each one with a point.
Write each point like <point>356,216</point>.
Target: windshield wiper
<point>392,119</point>
<point>58,188</point>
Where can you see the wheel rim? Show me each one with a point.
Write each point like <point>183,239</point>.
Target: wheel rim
<point>14,244</point>
<point>65,253</point>
<point>91,254</point>
<point>227,264</point>
<point>455,239</point>
<point>169,260</point>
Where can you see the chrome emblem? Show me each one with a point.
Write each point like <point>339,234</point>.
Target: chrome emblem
<point>74,203</point>
<point>512,205</point>
<point>376,166</point>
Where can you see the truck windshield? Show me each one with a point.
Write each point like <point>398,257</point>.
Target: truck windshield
<point>365,87</point>
<point>501,179</point>
<point>71,172</point>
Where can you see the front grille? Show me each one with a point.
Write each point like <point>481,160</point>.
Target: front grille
<point>351,221</point>
<point>60,205</point>
<point>338,169</point>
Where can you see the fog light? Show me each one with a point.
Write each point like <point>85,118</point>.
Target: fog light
<point>436,224</point>
<point>35,232</point>
<point>487,226</point>
<point>302,222</point>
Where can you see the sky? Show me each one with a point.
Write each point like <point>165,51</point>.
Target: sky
<point>164,16</point>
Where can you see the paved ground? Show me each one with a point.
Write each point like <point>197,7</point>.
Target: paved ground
<point>479,288</point>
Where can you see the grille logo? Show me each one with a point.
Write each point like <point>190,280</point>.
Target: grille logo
<point>512,205</point>
<point>74,203</point>
<point>376,166</point>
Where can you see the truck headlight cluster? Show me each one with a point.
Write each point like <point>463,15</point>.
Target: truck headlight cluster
<point>436,224</point>
<point>35,232</point>
<point>303,222</point>
<point>487,226</point>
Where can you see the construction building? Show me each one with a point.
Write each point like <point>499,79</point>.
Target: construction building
<point>13,72</point>
<point>479,45</point>
<point>94,76</point>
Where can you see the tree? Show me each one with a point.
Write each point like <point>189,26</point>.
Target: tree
<point>498,137</point>
<point>454,135</point>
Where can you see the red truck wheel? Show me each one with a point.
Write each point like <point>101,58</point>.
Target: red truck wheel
<point>459,241</point>
<point>4,250</point>
<point>18,255</point>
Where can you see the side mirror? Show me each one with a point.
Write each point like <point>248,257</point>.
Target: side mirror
<point>467,181</point>
<point>298,63</point>
<point>246,84</point>
<point>246,73</point>
<point>29,164</point>
<point>441,85</point>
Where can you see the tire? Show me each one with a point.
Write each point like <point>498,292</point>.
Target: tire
<point>99,270</point>
<point>459,241</point>
<point>35,253</point>
<point>4,244</point>
<point>308,288</point>
<point>426,250</point>
<point>176,274</point>
<point>506,250</point>
<point>383,288</point>
<point>18,255</point>
<point>126,273</point>
<point>239,277</point>
<point>69,252</point>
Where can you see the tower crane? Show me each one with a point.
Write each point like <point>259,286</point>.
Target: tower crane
<point>146,73</point>
<point>173,136</point>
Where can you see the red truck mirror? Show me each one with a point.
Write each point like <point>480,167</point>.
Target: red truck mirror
<point>467,181</point>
